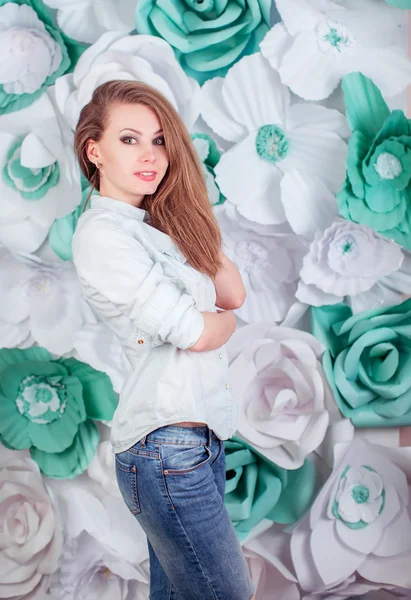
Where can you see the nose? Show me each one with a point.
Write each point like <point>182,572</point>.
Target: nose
<point>148,154</point>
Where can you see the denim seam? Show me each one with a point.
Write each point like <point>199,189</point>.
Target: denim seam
<point>164,484</point>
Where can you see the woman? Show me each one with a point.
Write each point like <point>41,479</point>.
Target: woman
<point>148,256</point>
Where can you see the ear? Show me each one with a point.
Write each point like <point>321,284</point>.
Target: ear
<point>92,150</point>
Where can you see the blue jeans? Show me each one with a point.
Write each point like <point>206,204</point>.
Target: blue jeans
<point>173,481</point>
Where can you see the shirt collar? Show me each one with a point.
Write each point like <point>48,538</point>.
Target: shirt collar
<point>128,210</point>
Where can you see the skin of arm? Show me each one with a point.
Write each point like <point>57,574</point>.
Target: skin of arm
<point>230,294</point>
<point>229,286</point>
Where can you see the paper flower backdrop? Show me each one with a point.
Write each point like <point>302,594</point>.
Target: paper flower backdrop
<point>252,109</point>
<point>318,42</point>
<point>33,53</point>
<point>379,162</point>
<point>358,523</point>
<point>209,35</point>
<point>367,362</point>
<point>297,111</point>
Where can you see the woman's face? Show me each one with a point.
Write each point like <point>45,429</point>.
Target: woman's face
<point>131,153</point>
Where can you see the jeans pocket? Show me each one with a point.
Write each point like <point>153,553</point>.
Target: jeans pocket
<point>179,460</point>
<point>127,482</point>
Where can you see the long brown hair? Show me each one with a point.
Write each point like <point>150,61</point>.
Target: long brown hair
<point>180,206</point>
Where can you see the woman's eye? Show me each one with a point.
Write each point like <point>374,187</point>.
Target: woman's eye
<point>159,141</point>
<point>126,140</point>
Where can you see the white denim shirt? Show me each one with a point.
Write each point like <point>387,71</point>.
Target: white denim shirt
<point>139,282</point>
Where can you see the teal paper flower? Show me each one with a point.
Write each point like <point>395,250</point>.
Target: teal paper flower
<point>209,155</point>
<point>377,188</point>
<point>31,184</point>
<point>34,54</point>
<point>208,36</point>
<point>258,489</point>
<point>368,362</point>
<point>62,230</point>
<point>47,405</point>
<point>400,3</point>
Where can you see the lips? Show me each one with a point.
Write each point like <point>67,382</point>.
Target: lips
<point>146,175</point>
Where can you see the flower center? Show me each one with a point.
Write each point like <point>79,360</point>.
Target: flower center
<point>388,166</point>
<point>201,5</point>
<point>360,494</point>
<point>250,255</point>
<point>272,143</point>
<point>41,399</point>
<point>334,38</point>
<point>21,42</point>
<point>40,286</point>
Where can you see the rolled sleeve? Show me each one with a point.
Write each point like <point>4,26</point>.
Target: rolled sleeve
<point>161,308</point>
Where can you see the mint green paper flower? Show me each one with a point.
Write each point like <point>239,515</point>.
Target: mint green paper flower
<point>368,362</point>
<point>377,189</point>
<point>258,489</point>
<point>208,36</point>
<point>34,54</point>
<point>31,184</point>
<point>209,155</point>
<point>47,405</point>
<point>399,3</point>
<point>62,230</point>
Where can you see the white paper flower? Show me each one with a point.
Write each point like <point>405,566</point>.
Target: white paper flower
<point>40,179</point>
<point>134,57</point>
<point>360,521</point>
<point>42,299</point>
<point>29,53</point>
<point>353,587</point>
<point>105,555</point>
<point>278,382</point>
<point>86,20</point>
<point>316,44</point>
<point>31,536</point>
<point>269,562</point>
<point>346,261</point>
<point>251,108</point>
<point>102,468</point>
<point>268,259</point>
<point>96,345</point>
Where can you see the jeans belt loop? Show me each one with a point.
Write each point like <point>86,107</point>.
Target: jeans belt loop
<point>210,437</point>
<point>143,441</point>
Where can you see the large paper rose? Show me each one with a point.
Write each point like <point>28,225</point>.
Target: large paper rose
<point>317,43</point>
<point>105,555</point>
<point>377,187</point>
<point>39,175</point>
<point>258,489</point>
<point>268,258</point>
<point>31,536</point>
<point>359,521</point>
<point>368,362</point>
<point>48,405</point>
<point>252,109</point>
<point>208,36</point>
<point>133,57</point>
<point>32,50</point>
<point>278,382</point>
<point>86,20</point>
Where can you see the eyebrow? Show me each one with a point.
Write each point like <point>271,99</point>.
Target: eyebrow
<point>139,132</point>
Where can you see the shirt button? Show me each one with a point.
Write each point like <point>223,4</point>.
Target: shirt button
<point>226,386</point>
<point>220,356</point>
<point>140,341</point>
